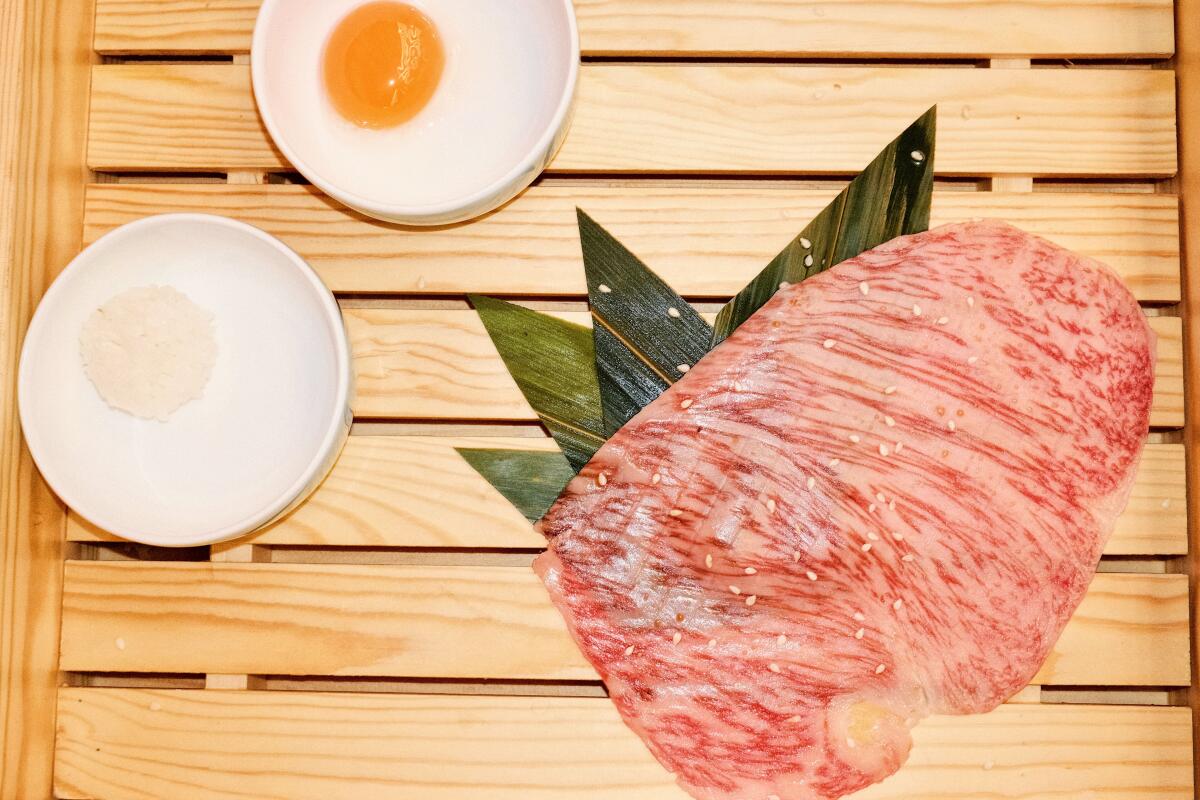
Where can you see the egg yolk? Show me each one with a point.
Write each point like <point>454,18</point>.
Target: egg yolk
<point>382,64</point>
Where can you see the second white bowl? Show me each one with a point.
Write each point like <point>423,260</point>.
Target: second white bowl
<point>269,425</point>
<point>498,116</point>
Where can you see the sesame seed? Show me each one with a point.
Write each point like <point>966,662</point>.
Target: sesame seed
<point>899,604</point>
<point>889,390</point>
<point>851,743</point>
<point>811,483</point>
<point>601,479</point>
<point>891,423</point>
<point>782,640</point>
<point>884,451</point>
<point>970,302</point>
<point>805,243</point>
<point>1166,503</point>
<point>972,359</point>
<point>712,642</point>
<point>734,589</point>
<point>737,386</point>
<point>675,512</point>
<point>655,478</point>
<point>951,425</point>
<point>808,260</point>
<point>917,156</point>
<point>861,632</point>
<point>673,312</point>
<point>879,670</point>
<point>812,576</point>
<point>854,437</point>
<point>898,536</point>
<point>829,344</point>
<point>865,288</point>
<point>859,616</point>
<point>751,571</point>
<point>916,311</point>
<point>156,706</point>
<point>908,557</point>
<point>880,496</point>
<point>773,667</point>
<point>604,289</point>
<point>899,447</point>
<point>942,320</point>
<point>682,368</point>
<point>866,548</point>
<point>677,637</point>
<point>120,643</point>
<point>784,284</point>
<point>752,599</point>
<point>629,650</point>
<point>771,504</point>
<point>989,764</point>
<point>871,508</point>
<point>892,503</point>
<point>708,561</point>
<point>874,537</point>
<point>795,555</point>
<point>833,462</point>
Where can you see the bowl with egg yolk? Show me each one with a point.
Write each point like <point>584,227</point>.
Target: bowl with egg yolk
<point>424,112</point>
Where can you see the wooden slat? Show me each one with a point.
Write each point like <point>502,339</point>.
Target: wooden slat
<point>440,364</point>
<point>414,491</point>
<point>706,240</point>
<point>128,744</point>
<point>979,28</point>
<point>474,622</point>
<point>43,105</point>
<point>712,118</point>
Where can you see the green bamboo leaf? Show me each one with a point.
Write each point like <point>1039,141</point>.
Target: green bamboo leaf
<point>529,479</point>
<point>643,331</point>
<point>889,198</point>
<point>553,363</point>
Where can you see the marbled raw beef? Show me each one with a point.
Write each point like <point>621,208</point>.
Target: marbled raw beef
<point>881,498</point>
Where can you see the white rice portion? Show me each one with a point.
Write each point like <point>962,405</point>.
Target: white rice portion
<point>149,350</point>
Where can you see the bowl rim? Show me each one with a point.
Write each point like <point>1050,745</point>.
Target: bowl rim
<point>491,195</point>
<point>331,440</point>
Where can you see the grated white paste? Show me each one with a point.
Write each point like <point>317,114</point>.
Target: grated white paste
<point>148,351</point>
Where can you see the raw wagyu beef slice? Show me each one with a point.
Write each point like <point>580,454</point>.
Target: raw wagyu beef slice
<point>881,498</point>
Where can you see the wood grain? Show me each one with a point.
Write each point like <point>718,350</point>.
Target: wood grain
<point>756,118</point>
<point>474,622</point>
<point>415,491</point>
<point>43,105</point>
<point>1187,12</point>
<point>705,240</point>
<point>128,744</point>
<point>440,364</point>
<point>1041,28</point>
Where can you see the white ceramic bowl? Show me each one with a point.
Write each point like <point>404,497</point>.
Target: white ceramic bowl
<point>499,114</point>
<point>270,423</point>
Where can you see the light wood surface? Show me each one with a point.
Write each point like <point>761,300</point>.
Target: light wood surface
<point>706,240</point>
<point>121,744</point>
<point>440,364</point>
<point>1188,62</point>
<point>748,27</point>
<point>473,622</point>
<point>43,104</point>
<point>711,118</point>
<point>416,491</point>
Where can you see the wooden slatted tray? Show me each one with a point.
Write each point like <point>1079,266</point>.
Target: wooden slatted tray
<point>388,639</point>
